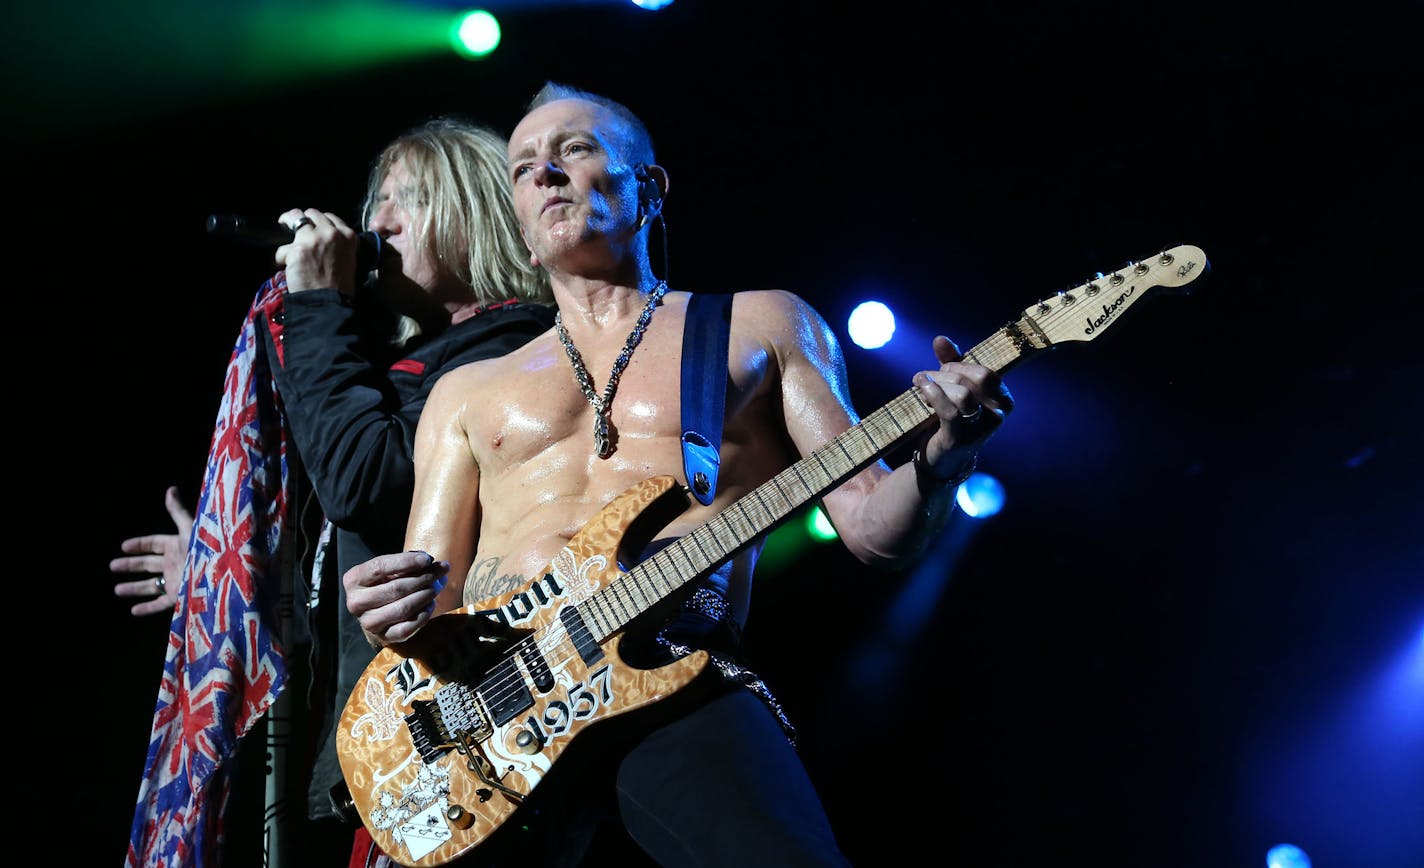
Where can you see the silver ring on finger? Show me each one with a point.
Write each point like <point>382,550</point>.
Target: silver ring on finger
<point>305,221</point>
<point>159,585</point>
<point>971,418</point>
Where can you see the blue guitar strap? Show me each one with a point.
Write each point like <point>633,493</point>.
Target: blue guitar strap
<point>704,389</point>
<point>704,397</point>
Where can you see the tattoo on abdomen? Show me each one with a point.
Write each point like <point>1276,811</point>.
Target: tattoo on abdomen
<point>485,581</point>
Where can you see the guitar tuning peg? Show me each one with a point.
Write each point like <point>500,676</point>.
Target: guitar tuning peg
<point>1165,258</point>
<point>1092,288</point>
<point>1044,307</point>
<point>1139,268</point>
<point>1066,296</point>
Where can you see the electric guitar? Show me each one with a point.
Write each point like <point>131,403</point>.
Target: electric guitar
<point>442,741</point>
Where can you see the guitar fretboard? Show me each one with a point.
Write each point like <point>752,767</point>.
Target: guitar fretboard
<point>772,502</point>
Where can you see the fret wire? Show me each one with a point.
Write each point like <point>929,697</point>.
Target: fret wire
<point>610,614</point>
<point>670,577</point>
<point>804,489</point>
<point>716,527</point>
<point>640,598</point>
<point>780,501</point>
<point>706,556</point>
<point>693,566</point>
<point>594,608</point>
<point>619,602</point>
<point>759,496</point>
<point>626,595</point>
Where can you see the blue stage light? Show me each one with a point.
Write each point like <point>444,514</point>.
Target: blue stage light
<point>871,325</point>
<point>1286,856</point>
<point>980,496</point>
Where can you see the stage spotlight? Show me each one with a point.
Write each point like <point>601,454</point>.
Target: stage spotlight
<point>980,496</point>
<point>818,526</point>
<point>1286,856</point>
<point>871,325</point>
<point>651,5</point>
<point>475,34</point>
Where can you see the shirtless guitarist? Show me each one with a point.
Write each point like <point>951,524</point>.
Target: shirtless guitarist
<point>515,457</point>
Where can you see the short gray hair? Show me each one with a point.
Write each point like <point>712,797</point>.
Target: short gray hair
<point>636,139</point>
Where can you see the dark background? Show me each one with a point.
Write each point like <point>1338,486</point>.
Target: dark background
<point>1188,635</point>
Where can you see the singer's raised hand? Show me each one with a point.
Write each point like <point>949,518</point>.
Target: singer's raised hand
<point>322,253</point>
<point>160,557</point>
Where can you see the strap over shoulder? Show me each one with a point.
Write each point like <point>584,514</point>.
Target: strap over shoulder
<point>704,389</point>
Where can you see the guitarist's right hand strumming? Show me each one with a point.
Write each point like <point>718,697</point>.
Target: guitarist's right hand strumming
<point>393,596</point>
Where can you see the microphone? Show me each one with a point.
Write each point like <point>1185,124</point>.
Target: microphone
<point>272,232</point>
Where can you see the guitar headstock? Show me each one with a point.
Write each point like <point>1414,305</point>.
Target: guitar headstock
<point>1084,312</point>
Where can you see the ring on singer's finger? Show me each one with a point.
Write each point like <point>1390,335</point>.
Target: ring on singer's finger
<point>159,585</point>
<point>972,417</point>
<point>305,221</point>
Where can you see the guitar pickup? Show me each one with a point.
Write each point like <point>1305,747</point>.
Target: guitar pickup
<point>538,667</point>
<point>504,692</point>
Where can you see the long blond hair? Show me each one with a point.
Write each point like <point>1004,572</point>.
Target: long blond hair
<point>459,173</point>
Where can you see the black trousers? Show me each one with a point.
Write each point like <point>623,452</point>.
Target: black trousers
<point>713,784</point>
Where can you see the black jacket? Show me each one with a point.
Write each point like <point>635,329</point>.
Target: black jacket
<point>352,404</point>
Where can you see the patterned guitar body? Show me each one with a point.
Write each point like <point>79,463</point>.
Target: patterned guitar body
<point>441,747</point>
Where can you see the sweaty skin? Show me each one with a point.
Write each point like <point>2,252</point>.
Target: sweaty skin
<point>518,431</point>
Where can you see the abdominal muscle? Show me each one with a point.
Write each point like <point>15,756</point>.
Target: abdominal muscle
<point>551,499</point>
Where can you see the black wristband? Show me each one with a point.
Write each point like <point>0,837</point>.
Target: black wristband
<point>926,480</point>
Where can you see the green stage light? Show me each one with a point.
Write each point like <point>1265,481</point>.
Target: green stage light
<point>794,539</point>
<point>286,44</point>
<point>820,527</point>
<point>475,34</point>
<point>128,62</point>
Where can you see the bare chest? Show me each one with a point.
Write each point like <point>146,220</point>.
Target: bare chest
<point>551,407</point>
<point>535,434</point>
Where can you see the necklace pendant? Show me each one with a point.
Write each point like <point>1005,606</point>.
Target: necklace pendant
<point>601,440</point>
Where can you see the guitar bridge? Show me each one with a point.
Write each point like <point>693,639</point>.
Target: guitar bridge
<point>451,720</point>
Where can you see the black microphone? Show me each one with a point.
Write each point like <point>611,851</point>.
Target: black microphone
<point>273,232</point>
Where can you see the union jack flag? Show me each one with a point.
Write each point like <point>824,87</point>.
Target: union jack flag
<point>225,665</point>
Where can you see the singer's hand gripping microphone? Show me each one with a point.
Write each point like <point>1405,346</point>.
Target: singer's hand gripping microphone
<point>274,233</point>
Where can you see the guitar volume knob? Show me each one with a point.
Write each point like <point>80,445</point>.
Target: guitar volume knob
<point>526,742</point>
<point>459,817</point>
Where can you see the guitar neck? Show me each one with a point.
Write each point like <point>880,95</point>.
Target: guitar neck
<point>774,501</point>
